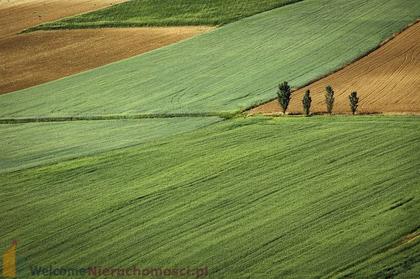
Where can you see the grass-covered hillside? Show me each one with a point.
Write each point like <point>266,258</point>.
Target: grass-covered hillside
<point>321,197</point>
<point>229,69</point>
<point>136,13</point>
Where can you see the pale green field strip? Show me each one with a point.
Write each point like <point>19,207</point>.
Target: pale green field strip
<point>34,144</point>
<point>229,69</point>
<point>320,197</point>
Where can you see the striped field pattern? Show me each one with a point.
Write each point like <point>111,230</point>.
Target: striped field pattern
<point>229,69</point>
<point>145,162</point>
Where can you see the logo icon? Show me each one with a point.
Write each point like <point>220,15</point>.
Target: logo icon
<point>9,261</point>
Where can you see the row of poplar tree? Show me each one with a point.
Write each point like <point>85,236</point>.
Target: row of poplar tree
<point>285,94</point>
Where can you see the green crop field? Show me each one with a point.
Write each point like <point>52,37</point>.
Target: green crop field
<point>32,144</point>
<point>231,68</point>
<point>316,197</point>
<point>137,13</point>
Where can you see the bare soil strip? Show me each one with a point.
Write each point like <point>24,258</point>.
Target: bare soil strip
<point>387,81</point>
<point>34,58</point>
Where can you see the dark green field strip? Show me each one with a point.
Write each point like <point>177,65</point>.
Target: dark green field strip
<point>20,120</point>
<point>138,13</point>
<point>229,69</point>
<point>249,198</point>
<point>34,144</point>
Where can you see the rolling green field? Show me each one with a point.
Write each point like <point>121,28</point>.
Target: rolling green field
<point>33,144</point>
<point>137,13</point>
<point>248,197</point>
<point>229,69</point>
<point>242,197</point>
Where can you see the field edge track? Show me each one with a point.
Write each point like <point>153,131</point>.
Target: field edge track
<point>18,120</point>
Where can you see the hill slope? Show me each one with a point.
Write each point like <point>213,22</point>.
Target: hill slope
<point>228,69</point>
<point>259,198</point>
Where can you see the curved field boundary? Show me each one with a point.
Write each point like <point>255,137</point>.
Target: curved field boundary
<point>229,69</point>
<point>387,80</point>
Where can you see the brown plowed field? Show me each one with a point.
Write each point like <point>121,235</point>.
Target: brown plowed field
<point>387,81</point>
<point>33,58</point>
